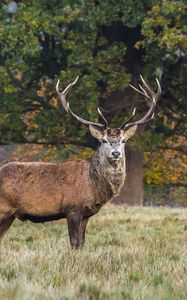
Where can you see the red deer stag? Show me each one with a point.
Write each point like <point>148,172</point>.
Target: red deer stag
<point>75,189</point>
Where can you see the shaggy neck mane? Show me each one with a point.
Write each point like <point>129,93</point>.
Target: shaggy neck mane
<point>108,175</point>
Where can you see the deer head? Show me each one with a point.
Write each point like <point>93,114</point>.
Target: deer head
<point>112,141</point>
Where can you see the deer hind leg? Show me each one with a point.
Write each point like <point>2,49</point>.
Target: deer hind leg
<point>82,231</point>
<point>6,225</point>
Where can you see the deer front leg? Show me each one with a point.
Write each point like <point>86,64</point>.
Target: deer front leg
<point>74,221</point>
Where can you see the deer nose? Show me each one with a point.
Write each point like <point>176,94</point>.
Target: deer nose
<point>116,153</point>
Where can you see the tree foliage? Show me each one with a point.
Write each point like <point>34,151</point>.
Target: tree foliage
<point>107,43</point>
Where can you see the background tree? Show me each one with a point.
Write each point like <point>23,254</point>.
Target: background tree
<point>109,44</point>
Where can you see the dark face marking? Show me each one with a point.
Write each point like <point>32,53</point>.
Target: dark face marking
<point>113,135</point>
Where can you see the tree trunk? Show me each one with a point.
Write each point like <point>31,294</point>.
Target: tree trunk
<point>118,101</point>
<point>132,192</point>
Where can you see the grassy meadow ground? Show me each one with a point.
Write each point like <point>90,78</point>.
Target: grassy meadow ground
<point>130,253</point>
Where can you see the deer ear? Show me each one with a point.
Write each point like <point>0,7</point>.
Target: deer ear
<point>127,134</point>
<point>96,132</point>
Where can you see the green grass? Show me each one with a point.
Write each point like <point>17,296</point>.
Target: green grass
<point>130,253</point>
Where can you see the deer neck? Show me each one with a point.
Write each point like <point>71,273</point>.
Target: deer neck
<point>108,175</point>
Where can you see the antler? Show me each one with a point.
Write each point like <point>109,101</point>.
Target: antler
<point>152,97</point>
<point>62,97</point>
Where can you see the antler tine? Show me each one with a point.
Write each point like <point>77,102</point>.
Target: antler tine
<point>144,91</point>
<point>136,89</point>
<point>146,85</point>
<point>130,118</point>
<point>65,104</point>
<point>66,90</point>
<point>153,98</point>
<point>159,90</point>
<point>105,121</point>
<point>63,94</point>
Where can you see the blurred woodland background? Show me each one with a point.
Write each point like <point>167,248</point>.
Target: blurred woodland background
<point>108,43</point>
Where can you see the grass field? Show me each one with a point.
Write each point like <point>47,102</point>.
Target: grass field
<point>130,253</point>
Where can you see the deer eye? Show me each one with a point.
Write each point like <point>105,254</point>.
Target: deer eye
<point>104,141</point>
<point>123,141</point>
